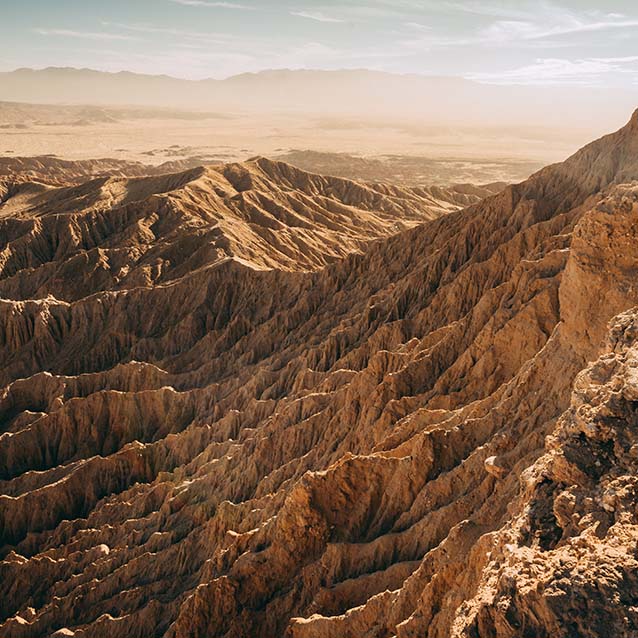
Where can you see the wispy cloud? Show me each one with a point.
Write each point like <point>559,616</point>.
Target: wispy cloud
<point>206,3</point>
<point>318,16</point>
<point>183,34</point>
<point>85,35</point>
<point>532,10</point>
<point>544,25</point>
<point>418,26</point>
<point>512,30</point>
<point>628,59</point>
<point>486,9</point>
<point>584,71</point>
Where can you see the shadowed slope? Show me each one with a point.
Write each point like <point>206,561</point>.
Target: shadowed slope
<point>123,233</point>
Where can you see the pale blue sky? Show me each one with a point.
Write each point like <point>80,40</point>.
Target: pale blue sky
<point>521,42</point>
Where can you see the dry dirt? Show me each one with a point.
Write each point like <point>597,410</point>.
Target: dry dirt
<point>377,150</point>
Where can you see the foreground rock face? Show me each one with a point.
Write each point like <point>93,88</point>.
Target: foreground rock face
<point>253,445</point>
<point>566,562</point>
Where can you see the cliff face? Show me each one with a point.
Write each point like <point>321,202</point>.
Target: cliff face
<point>347,439</point>
<point>565,563</point>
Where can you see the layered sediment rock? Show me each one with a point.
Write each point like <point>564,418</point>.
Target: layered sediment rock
<point>332,445</point>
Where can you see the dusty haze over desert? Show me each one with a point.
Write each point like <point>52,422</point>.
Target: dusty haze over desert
<point>419,127</point>
<point>318,319</point>
<point>434,91</point>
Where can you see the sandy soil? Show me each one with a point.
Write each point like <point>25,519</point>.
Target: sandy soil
<point>407,152</point>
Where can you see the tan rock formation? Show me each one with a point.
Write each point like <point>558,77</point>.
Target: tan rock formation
<point>341,441</point>
<point>565,565</point>
<point>123,233</point>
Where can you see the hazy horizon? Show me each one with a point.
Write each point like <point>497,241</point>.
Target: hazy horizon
<point>522,82</point>
<point>567,43</point>
<point>264,71</point>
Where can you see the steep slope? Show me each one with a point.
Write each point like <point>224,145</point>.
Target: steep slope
<point>124,232</point>
<point>566,563</point>
<point>252,451</point>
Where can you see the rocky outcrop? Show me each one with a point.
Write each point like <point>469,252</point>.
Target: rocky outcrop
<point>565,565</point>
<point>123,233</point>
<point>354,444</point>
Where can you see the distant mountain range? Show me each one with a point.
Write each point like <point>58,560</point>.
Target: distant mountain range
<point>362,92</point>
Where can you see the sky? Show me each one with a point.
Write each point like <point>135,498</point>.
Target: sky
<point>534,42</point>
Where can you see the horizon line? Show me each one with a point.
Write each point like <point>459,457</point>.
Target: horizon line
<point>243,73</point>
